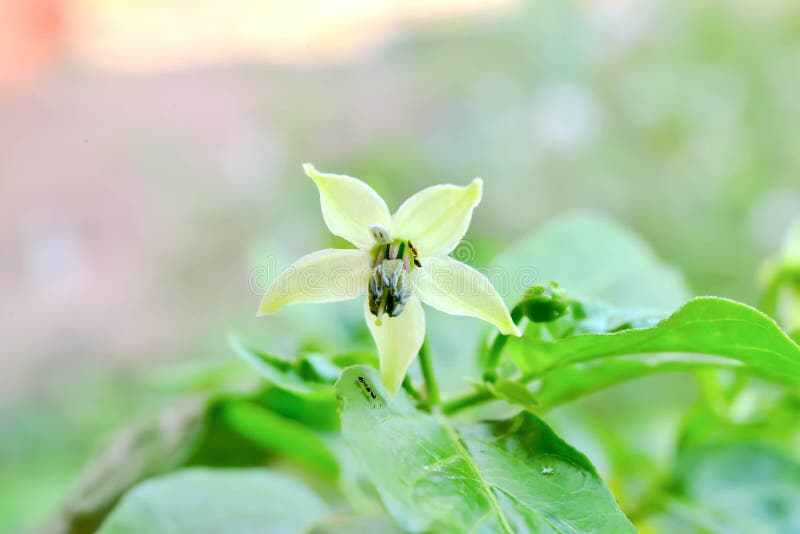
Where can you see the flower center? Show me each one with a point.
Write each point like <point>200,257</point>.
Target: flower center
<point>390,284</point>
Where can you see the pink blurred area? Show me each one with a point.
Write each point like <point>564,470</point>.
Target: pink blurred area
<point>134,159</point>
<point>31,37</point>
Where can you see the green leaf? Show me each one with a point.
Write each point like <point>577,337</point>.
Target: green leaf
<point>513,393</point>
<point>705,332</point>
<point>737,488</point>
<point>142,450</point>
<point>512,475</point>
<point>281,372</point>
<point>592,256</point>
<point>311,376</point>
<point>357,524</point>
<point>282,435</point>
<point>568,383</point>
<point>205,500</point>
<point>320,414</point>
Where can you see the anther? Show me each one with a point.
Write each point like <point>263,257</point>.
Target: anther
<point>415,253</point>
<point>394,249</point>
<point>381,234</point>
<point>389,288</point>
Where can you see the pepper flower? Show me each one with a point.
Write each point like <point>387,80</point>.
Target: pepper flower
<point>401,260</point>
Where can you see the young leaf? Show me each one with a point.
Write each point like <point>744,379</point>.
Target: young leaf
<point>311,376</point>
<point>206,500</point>
<point>705,331</point>
<point>280,372</point>
<point>513,393</point>
<point>505,476</point>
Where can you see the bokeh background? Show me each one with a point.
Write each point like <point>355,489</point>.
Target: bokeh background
<point>150,176</point>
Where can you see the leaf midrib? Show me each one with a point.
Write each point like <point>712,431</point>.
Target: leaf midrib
<point>456,439</point>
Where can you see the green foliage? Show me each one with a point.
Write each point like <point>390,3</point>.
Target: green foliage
<point>706,332</point>
<point>231,501</point>
<point>290,438</point>
<point>485,461</point>
<point>142,450</point>
<point>500,476</point>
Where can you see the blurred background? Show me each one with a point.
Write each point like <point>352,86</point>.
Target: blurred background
<point>150,178</point>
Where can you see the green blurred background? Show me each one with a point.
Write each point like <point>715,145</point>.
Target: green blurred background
<point>150,178</point>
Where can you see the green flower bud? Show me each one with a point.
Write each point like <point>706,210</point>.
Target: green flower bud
<point>543,303</point>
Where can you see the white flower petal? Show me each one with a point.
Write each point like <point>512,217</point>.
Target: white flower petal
<point>452,287</point>
<point>349,206</point>
<point>436,218</point>
<point>328,275</point>
<point>399,340</point>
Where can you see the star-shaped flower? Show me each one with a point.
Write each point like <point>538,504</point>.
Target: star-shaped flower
<point>401,259</point>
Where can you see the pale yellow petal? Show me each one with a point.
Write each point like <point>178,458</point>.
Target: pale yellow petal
<point>398,340</point>
<point>325,276</point>
<point>458,289</point>
<point>436,218</point>
<point>349,206</point>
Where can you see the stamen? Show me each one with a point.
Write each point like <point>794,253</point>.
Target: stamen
<point>394,248</point>
<point>375,292</point>
<point>416,254</point>
<point>381,234</point>
<point>389,288</point>
<point>407,258</point>
<point>379,256</point>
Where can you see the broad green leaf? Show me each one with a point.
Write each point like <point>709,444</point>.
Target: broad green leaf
<point>736,488</point>
<point>357,524</point>
<point>706,331</point>
<point>232,501</point>
<point>142,450</point>
<point>592,256</point>
<point>507,476</point>
<point>282,435</point>
<point>568,383</point>
<point>594,317</point>
<point>208,430</point>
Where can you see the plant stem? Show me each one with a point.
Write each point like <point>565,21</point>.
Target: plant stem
<point>496,349</point>
<point>409,388</point>
<point>466,401</point>
<point>480,397</point>
<point>431,387</point>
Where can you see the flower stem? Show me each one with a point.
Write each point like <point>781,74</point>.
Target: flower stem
<point>481,397</point>
<point>466,401</point>
<point>496,349</point>
<point>409,388</point>
<point>431,387</point>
